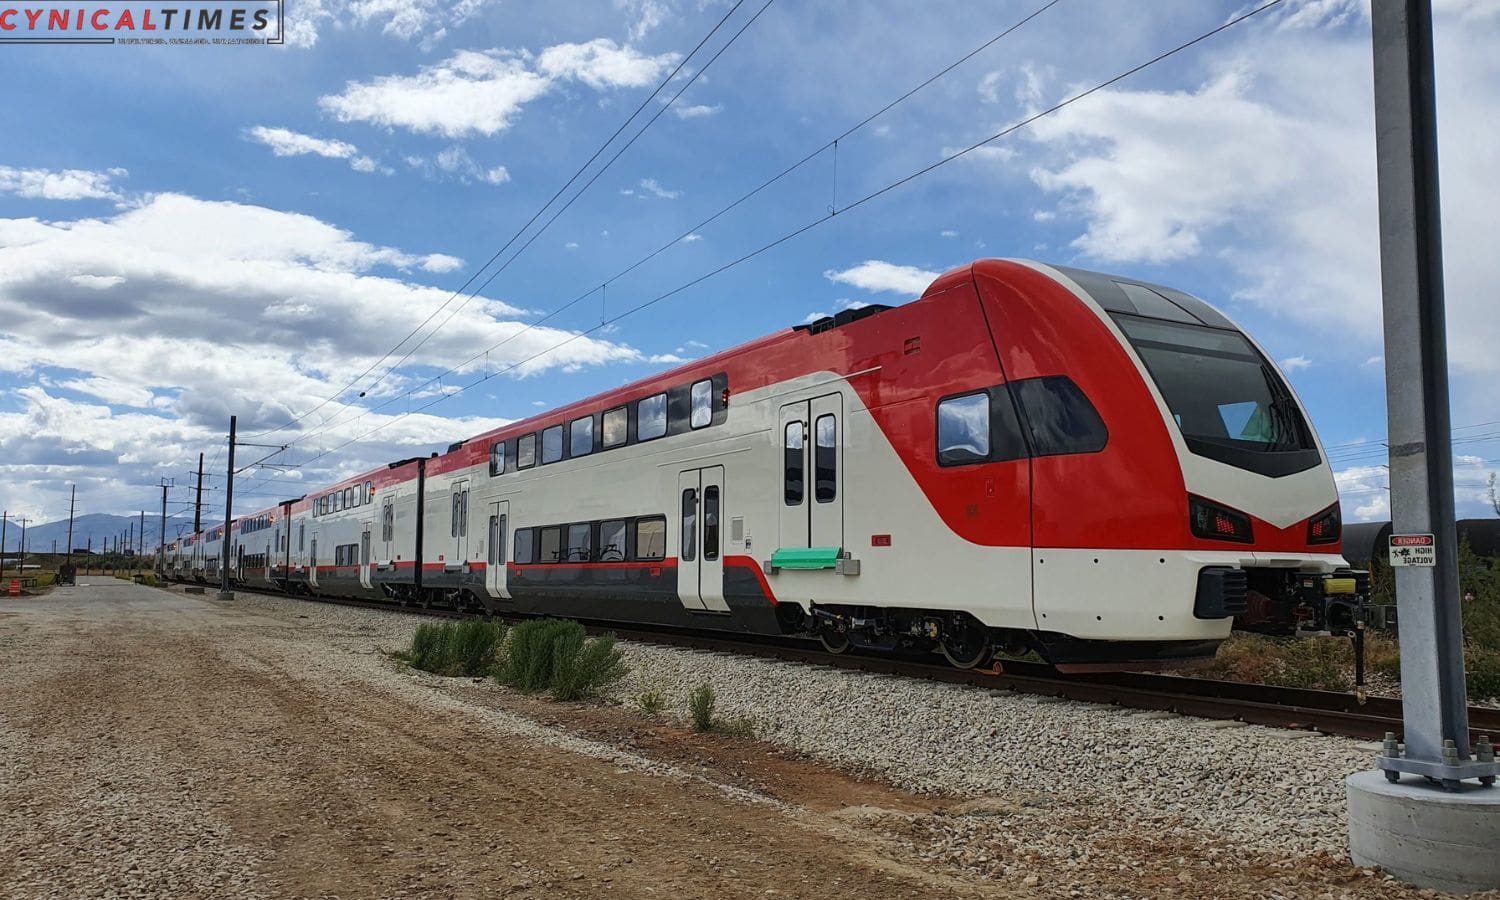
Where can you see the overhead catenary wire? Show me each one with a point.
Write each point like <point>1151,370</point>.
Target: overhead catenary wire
<point>522,230</point>
<point>810,156</point>
<point>867,198</point>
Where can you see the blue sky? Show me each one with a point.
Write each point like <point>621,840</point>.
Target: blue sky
<point>187,232</point>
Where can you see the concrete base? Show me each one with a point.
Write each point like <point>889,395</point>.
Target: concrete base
<point>1425,835</point>
<point>224,595</point>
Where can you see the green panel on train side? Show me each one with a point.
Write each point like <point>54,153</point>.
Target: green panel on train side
<point>805,558</point>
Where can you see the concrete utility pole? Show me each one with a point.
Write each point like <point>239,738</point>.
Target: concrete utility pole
<point>4,523</point>
<point>198,502</point>
<point>72,506</point>
<point>1441,839</point>
<point>21,561</point>
<point>224,592</point>
<point>161,553</point>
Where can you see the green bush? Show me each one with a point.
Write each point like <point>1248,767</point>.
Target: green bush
<point>582,670</point>
<point>466,648</point>
<point>701,708</point>
<point>653,700</point>
<point>1482,670</point>
<point>531,657</point>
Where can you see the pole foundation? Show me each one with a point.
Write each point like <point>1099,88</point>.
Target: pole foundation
<point>1424,835</point>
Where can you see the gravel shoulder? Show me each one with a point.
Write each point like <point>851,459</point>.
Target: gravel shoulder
<point>154,744</point>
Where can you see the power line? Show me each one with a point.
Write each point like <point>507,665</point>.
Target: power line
<point>823,148</point>
<point>1011,129</point>
<point>529,222</point>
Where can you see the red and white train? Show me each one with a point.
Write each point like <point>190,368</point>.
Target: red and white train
<point>1028,457</point>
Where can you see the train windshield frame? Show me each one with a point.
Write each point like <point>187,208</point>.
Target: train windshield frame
<point>1228,402</point>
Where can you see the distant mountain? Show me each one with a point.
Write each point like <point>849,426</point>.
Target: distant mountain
<point>96,527</point>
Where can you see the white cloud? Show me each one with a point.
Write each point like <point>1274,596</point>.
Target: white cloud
<point>601,63</point>
<point>692,237</point>
<point>1469,460</point>
<point>471,92</point>
<point>948,233</point>
<point>221,307</point>
<point>651,187</point>
<point>481,92</point>
<point>426,21</point>
<point>67,184</point>
<point>457,162</point>
<point>648,15</point>
<point>1362,493</point>
<point>878,275</point>
<point>571,245</point>
<point>1272,159</point>
<point>696,112</point>
<point>1293,363</point>
<point>285,142</point>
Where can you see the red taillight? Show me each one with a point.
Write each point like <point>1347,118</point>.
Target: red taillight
<point>1218,523</point>
<point>1326,527</point>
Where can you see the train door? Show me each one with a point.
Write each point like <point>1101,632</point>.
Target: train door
<point>364,557</point>
<point>312,560</point>
<point>265,572</point>
<point>460,523</point>
<point>495,544</point>
<point>388,529</point>
<point>700,558</point>
<point>812,490</point>
<point>239,562</point>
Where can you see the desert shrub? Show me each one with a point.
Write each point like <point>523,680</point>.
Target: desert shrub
<point>530,656</point>
<point>583,669</point>
<point>1320,663</point>
<point>1382,655</point>
<point>652,700</point>
<point>701,708</point>
<point>456,648</point>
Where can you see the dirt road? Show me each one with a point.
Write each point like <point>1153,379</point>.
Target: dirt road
<point>153,744</point>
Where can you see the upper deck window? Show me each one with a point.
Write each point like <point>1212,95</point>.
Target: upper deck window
<point>552,444</point>
<point>651,417</point>
<point>703,405</point>
<point>616,422</point>
<point>1226,399</point>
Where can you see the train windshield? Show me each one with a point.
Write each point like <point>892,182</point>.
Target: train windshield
<point>1229,403</point>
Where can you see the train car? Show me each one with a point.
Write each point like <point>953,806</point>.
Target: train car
<point>1028,457</point>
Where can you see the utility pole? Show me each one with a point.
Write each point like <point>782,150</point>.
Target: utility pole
<point>21,561</point>
<point>161,554</point>
<point>140,546</point>
<point>72,505</point>
<point>224,592</point>
<point>130,538</point>
<point>1440,839</point>
<point>4,522</point>
<point>198,503</point>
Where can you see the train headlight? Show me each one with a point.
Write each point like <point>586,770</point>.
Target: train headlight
<point>1218,523</point>
<point>1326,527</point>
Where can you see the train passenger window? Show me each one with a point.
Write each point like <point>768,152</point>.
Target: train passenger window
<point>689,525</point>
<point>651,538</point>
<point>825,459</point>
<point>497,458</point>
<point>794,464</point>
<point>580,545</point>
<point>388,520</point>
<point>703,406</point>
<point>301,536</point>
<point>453,516</point>
<point>348,498</point>
<point>711,522</point>
<point>612,540</point>
<point>581,436</point>
<point>549,546</point>
<point>615,424</point>
<point>552,444</point>
<point>496,542</point>
<point>1061,418</point>
<point>463,514</point>
<point>526,451</point>
<point>651,418</point>
<point>525,540</point>
<point>369,491</point>
<point>963,429</point>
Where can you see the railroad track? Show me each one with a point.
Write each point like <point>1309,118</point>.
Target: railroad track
<point>1330,712</point>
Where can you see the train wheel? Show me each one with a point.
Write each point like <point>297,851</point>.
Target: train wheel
<point>967,646</point>
<point>834,641</point>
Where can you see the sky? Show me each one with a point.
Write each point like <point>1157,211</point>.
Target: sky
<point>191,232</point>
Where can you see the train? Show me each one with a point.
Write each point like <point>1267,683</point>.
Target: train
<point>1027,458</point>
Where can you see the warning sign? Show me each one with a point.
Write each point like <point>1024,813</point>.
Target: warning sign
<point>1413,550</point>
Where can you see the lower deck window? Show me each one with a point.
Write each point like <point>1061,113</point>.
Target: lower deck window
<point>549,545</point>
<point>651,538</point>
<point>525,546</point>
